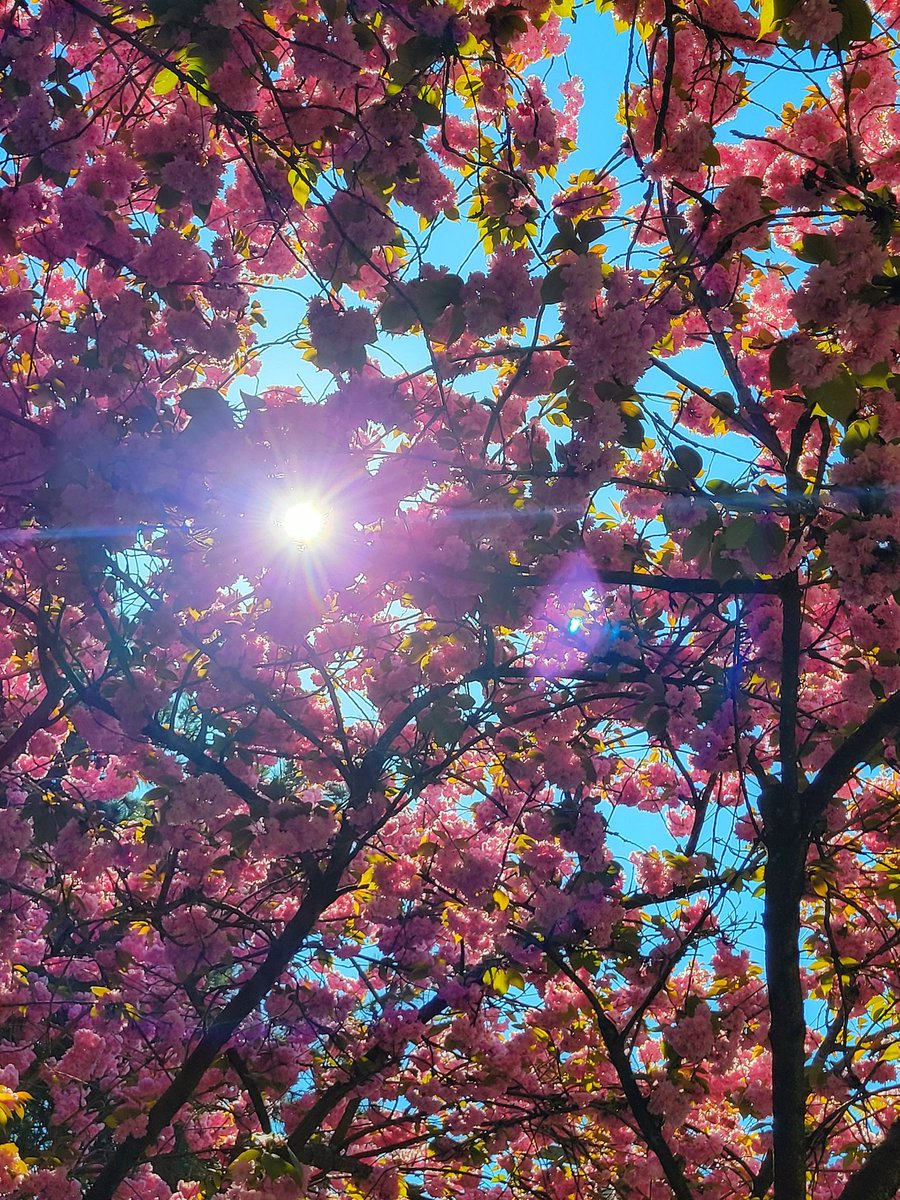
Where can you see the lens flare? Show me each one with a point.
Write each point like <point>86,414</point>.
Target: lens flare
<point>302,522</point>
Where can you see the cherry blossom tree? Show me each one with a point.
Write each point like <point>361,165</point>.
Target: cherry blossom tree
<point>471,770</point>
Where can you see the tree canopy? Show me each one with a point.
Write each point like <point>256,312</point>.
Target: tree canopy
<point>466,765</point>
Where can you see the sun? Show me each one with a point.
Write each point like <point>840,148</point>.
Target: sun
<point>302,522</point>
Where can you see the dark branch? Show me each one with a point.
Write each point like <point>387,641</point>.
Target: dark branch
<point>648,1123</point>
<point>322,892</point>
<point>39,718</point>
<point>879,1176</point>
<point>853,751</point>
<point>171,740</point>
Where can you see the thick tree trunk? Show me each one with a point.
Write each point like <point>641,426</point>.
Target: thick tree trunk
<point>879,1176</point>
<point>787,1031</point>
<point>786,841</point>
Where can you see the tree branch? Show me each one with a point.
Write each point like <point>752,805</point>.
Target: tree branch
<point>852,753</point>
<point>786,844</point>
<point>171,740</point>
<point>691,586</point>
<point>363,1069</point>
<point>38,718</point>
<point>322,892</point>
<point>879,1176</point>
<point>648,1123</point>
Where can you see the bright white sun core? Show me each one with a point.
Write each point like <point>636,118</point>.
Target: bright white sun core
<point>302,522</point>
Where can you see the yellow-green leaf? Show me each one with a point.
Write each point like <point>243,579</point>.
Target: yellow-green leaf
<point>166,81</point>
<point>496,979</point>
<point>299,183</point>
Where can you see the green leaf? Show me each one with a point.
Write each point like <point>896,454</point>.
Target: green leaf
<point>696,546</point>
<point>657,723</point>
<point>208,409</point>
<point>420,52</point>
<point>711,157</point>
<point>248,1156</point>
<point>154,794</point>
<point>722,487</point>
<point>838,398</point>
<point>166,81</point>
<point>737,533</point>
<point>33,170</point>
<point>562,377</point>
<point>765,543</point>
<point>497,979</point>
<point>423,302</point>
<point>591,228</point>
<point>858,435</point>
<point>585,960</point>
<point>633,432</point>
<point>857,25</point>
<point>817,248</point>
<point>300,183</point>
<point>688,460</point>
<point>200,61</point>
<point>397,315</point>
<point>426,112</point>
<point>711,702</point>
<point>251,402</point>
<point>275,1167</point>
<point>779,371</point>
<point>675,479</point>
<point>577,409</point>
<point>167,198</point>
<point>876,377</point>
<point>553,286</point>
<point>723,568</point>
<point>401,73</point>
<point>772,13</point>
<point>432,297</point>
<point>199,401</point>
